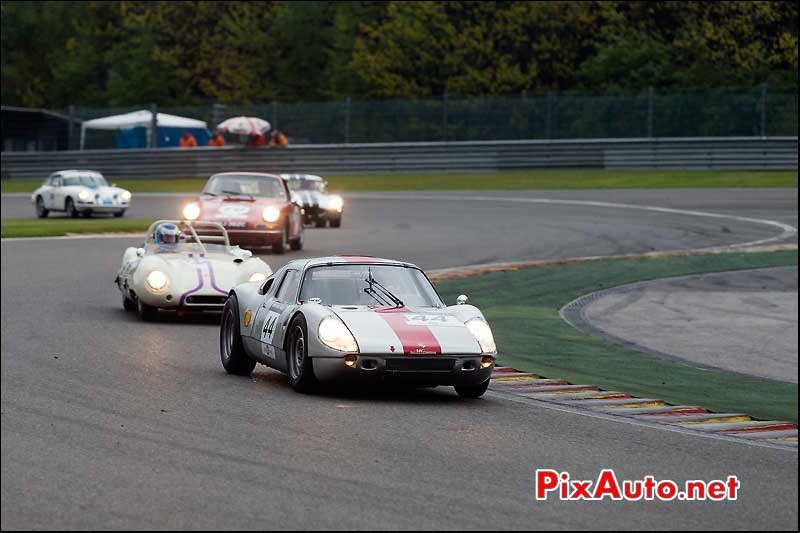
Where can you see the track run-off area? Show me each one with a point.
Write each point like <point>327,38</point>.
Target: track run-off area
<point>108,421</point>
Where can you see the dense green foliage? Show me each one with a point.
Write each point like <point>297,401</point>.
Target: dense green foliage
<point>103,53</point>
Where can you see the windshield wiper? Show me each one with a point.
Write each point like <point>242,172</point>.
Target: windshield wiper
<point>209,193</point>
<point>374,295</point>
<point>234,193</point>
<point>385,292</point>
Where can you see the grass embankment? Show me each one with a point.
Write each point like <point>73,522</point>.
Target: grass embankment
<point>505,180</point>
<point>523,309</point>
<point>54,227</point>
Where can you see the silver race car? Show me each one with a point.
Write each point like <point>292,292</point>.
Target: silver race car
<point>320,207</point>
<point>80,192</point>
<point>356,319</point>
<point>177,271</point>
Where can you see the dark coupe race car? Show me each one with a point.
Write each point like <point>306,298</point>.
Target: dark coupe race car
<point>311,192</point>
<point>256,209</point>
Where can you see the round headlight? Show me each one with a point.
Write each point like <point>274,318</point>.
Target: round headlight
<point>336,335</point>
<point>157,280</point>
<point>84,196</point>
<point>337,202</point>
<point>271,214</point>
<point>483,334</point>
<point>258,276</point>
<point>126,196</point>
<point>191,211</point>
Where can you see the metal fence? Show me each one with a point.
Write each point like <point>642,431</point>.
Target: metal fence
<point>692,153</point>
<point>648,114</point>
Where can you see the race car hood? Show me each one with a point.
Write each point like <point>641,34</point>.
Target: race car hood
<point>310,198</point>
<point>407,330</point>
<point>241,211</point>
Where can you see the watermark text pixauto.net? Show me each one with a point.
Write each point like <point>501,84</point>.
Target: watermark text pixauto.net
<point>553,484</point>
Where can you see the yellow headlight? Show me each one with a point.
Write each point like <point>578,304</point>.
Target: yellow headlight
<point>84,196</point>
<point>337,202</point>
<point>157,280</point>
<point>271,214</point>
<point>191,211</point>
<point>126,196</point>
<point>336,335</point>
<point>483,334</point>
<point>258,276</point>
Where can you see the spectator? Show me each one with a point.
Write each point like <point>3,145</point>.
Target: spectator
<point>187,140</point>
<point>216,140</point>
<point>258,139</point>
<point>278,140</point>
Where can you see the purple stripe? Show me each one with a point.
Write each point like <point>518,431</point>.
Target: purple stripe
<point>199,286</point>
<point>213,281</point>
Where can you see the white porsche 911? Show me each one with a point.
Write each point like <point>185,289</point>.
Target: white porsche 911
<point>175,270</point>
<point>79,192</point>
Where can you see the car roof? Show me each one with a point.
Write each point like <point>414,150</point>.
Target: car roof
<point>72,173</point>
<point>310,177</point>
<point>345,260</point>
<point>254,174</point>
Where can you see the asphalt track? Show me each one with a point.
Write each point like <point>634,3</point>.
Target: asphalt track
<point>109,422</point>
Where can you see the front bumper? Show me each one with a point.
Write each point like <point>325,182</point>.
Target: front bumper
<point>316,213</point>
<point>93,207</point>
<point>372,369</point>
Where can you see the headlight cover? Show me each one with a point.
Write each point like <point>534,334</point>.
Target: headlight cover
<point>337,202</point>
<point>157,280</point>
<point>334,334</point>
<point>483,334</point>
<point>126,196</point>
<point>84,196</point>
<point>271,214</point>
<point>258,276</point>
<point>191,211</point>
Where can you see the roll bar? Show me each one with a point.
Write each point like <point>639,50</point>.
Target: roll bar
<point>187,226</point>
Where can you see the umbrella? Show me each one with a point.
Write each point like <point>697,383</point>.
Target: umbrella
<point>244,125</point>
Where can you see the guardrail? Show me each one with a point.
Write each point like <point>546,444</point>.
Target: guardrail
<point>775,153</point>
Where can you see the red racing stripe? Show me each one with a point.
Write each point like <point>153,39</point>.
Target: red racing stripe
<point>417,340</point>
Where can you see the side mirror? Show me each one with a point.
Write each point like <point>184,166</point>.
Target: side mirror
<point>462,299</point>
<point>140,252</point>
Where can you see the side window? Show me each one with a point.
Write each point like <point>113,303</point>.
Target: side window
<point>267,285</point>
<point>56,181</point>
<point>288,289</point>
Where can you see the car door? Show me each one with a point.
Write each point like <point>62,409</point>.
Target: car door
<point>273,316</point>
<point>52,198</point>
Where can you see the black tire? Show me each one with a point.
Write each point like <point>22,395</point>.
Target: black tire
<point>296,244</point>
<point>128,304</point>
<point>336,222</point>
<point>69,207</point>
<point>472,391</point>
<point>279,248</point>
<point>119,214</point>
<point>321,223</point>
<point>41,210</point>
<point>148,313</point>
<point>298,364</point>
<point>231,349</point>
<point>86,214</point>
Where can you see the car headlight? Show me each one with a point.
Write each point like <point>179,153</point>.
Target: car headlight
<point>336,335</point>
<point>483,334</point>
<point>337,202</point>
<point>191,211</point>
<point>258,276</point>
<point>126,196</point>
<point>271,214</point>
<point>84,196</point>
<point>157,280</point>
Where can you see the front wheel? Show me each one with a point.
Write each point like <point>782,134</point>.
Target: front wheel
<point>336,222</point>
<point>279,248</point>
<point>128,304</point>
<point>231,349</point>
<point>41,210</point>
<point>297,243</point>
<point>148,313</point>
<point>301,371</point>
<point>69,207</point>
<point>472,391</point>
<point>119,214</point>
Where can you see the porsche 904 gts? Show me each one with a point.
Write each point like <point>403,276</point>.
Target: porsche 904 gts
<point>357,320</point>
<point>178,270</point>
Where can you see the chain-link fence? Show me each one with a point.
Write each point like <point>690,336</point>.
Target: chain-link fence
<point>650,113</point>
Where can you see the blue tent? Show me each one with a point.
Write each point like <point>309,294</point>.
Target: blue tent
<point>167,137</point>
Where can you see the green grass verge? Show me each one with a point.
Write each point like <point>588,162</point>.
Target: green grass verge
<point>54,227</point>
<point>505,180</point>
<point>523,309</point>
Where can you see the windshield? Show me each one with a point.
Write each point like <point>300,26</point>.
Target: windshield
<point>184,247</point>
<point>87,181</point>
<point>356,285</point>
<point>306,185</point>
<point>244,185</point>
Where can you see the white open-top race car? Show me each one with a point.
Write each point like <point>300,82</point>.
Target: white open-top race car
<point>176,270</point>
<point>356,319</point>
<point>79,192</point>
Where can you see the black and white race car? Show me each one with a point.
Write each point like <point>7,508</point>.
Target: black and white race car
<point>311,192</point>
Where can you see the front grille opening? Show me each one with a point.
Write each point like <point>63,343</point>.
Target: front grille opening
<point>414,364</point>
<point>205,300</point>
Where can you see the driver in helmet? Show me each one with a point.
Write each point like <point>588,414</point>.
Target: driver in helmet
<point>167,237</point>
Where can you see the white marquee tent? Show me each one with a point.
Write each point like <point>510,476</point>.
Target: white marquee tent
<point>135,119</point>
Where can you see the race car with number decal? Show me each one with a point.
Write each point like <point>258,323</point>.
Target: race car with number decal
<point>319,206</point>
<point>255,208</point>
<point>178,270</point>
<point>358,320</point>
<point>79,192</point>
